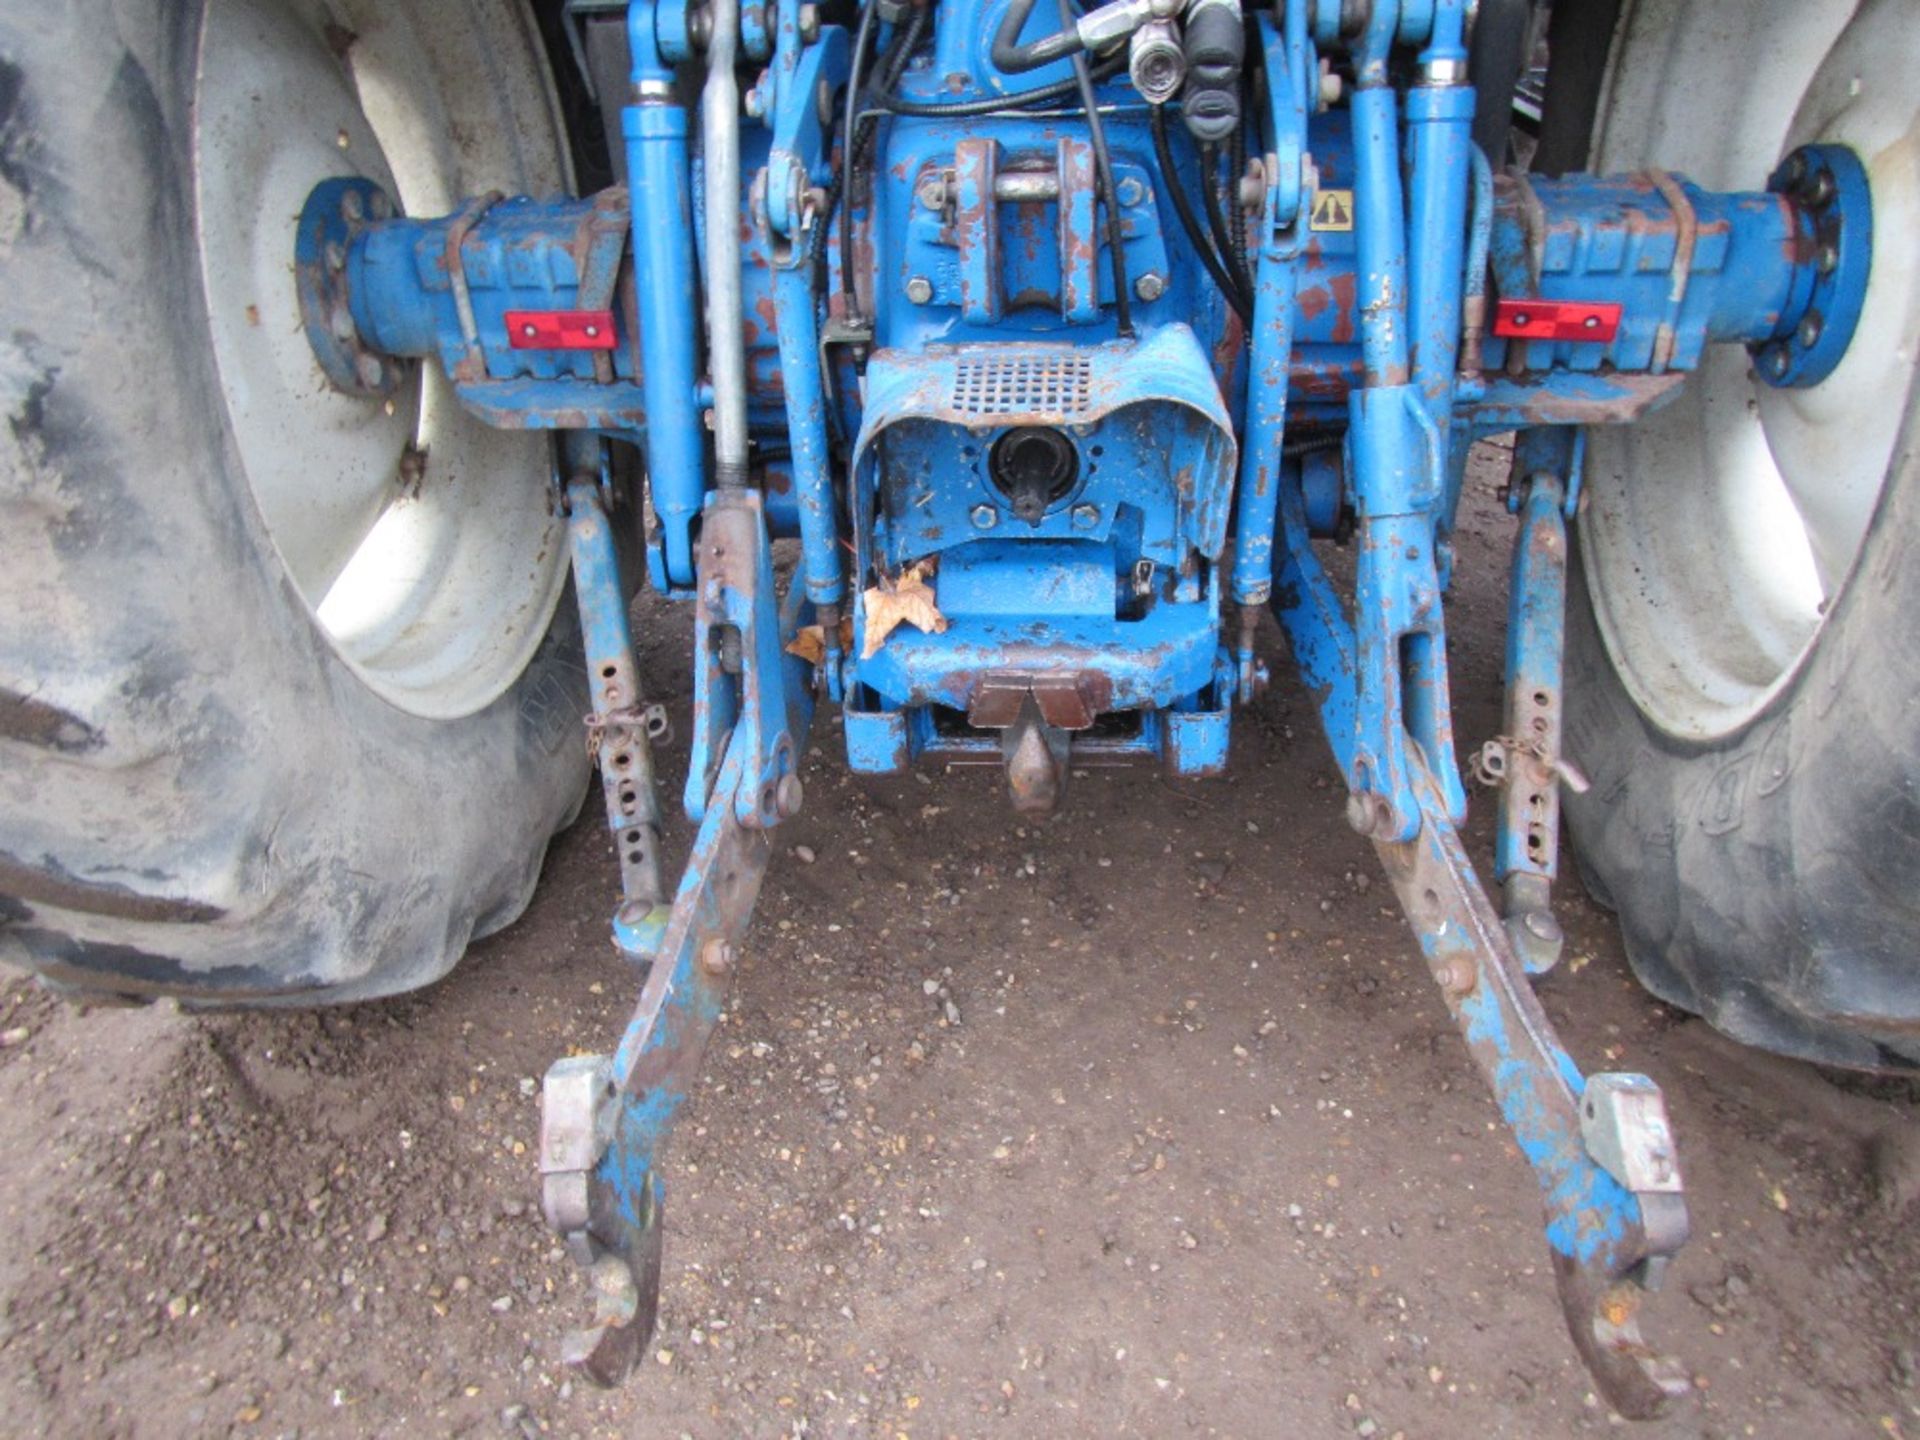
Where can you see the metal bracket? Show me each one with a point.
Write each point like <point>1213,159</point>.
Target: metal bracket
<point>800,139</point>
<point>740,705</point>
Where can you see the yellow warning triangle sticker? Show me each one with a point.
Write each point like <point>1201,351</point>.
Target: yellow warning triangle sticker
<point>1332,210</point>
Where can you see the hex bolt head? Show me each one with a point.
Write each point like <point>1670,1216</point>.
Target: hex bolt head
<point>371,372</point>
<point>788,796</point>
<point>1820,190</point>
<point>1542,926</point>
<point>754,103</point>
<point>1457,975</point>
<point>1131,191</point>
<point>1809,332</point>
<point>1796,170</point>
<point>1086,517</point>
<point>1150,286</point>
<point>1777,360</point>
<point>809,19</point>
<point>932,193</point>
<point>380,206</point>
<point>716,956</point>
<point>985,517</point>
<point>336,256</point>
<point>352,208</point>
<point>1827,258</point>
<point>919,290</point>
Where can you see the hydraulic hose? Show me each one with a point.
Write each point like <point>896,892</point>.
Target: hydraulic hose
<point>1010,57</point>
<point>1109,192</point>
<point>1236,259</point>
<point>993,104</point>
<point>863,37</point>
<point>1190,222</point>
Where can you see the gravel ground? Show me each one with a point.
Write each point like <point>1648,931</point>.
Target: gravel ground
<point>1142,1119</point>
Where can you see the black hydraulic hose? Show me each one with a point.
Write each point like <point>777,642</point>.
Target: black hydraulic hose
<point>906,38</point>
<point>992,104</point>
<point>1190,222</point>
<point>1010,57</point>
<point>899,51</point>
<point>849,290</point>
<point>1217,223</point>
<point>1103,176</point>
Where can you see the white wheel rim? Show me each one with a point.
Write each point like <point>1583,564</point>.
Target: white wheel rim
<point>435,595</point>
<point>1718,532</point>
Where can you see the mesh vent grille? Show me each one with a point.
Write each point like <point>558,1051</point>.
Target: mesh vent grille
<point>1020,384</point>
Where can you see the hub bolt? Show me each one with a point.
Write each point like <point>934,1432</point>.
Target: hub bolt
<point>919,290</point>
<point>1810,331</point>
<point>1777,361</point>
<point>1826,258</point>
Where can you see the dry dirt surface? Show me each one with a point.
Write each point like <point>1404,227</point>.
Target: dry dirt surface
<point>1144,1119</point>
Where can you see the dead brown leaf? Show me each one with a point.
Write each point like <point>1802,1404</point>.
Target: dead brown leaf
<point>810,641</point>
<point>908,600</point>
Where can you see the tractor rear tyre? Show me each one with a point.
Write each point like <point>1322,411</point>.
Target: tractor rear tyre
<point>1743,658</point>
<point>289,696</point>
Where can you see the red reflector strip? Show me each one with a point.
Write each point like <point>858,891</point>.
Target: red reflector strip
<point>1556,320</point>
<point>560,329</point>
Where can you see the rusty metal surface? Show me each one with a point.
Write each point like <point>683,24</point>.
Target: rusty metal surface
<point>1597,1230</point>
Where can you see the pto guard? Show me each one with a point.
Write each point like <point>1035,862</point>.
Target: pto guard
<point>1124,615</point>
